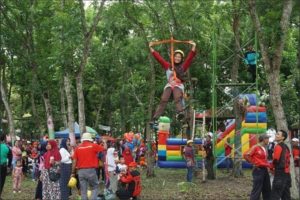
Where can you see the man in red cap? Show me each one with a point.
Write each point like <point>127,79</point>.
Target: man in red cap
<point>131,183</point>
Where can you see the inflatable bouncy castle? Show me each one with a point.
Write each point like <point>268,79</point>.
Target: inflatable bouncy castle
<point>170,150</point>
<point>254,123</point>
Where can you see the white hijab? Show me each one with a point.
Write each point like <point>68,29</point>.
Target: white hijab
<point>110,159</point>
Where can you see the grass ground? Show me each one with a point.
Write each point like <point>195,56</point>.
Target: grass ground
<point>166,185</point>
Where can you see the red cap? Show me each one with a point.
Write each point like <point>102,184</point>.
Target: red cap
<point>132,164</point>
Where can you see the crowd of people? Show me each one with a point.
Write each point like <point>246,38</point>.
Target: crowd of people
<point>271,164</point>
<point>53,163</point>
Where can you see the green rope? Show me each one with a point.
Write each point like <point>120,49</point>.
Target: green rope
<point>256,82</point>
<point>214,95</point>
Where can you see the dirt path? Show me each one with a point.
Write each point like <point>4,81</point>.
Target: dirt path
<point>166,186</point>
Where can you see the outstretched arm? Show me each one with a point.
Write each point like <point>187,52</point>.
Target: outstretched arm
<point>158,57</point>
<point>190,56</point>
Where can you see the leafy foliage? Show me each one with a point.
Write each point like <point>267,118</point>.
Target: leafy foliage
<point>42,40</point>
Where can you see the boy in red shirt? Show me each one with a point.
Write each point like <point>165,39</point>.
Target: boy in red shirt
<point>261,179</point>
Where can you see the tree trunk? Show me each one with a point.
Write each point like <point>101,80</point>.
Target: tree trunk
<point>8,110</point>
<point>88,34</point>
<point>71,118</point>
<point>80,98</point>
<point>35,114</point>
<point>63,105</point>
<point>272,67</point>
<point>150,154</point>
<point>99,108</point>
<point>237,164</point>
<point>48,108</point>
<point>281,122</point>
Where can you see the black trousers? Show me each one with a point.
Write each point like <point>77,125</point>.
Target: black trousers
<point>252,71</point>
<point>261,184</point>
<point>210,169</point>
<point>281,186</point>
<point>3,173</point>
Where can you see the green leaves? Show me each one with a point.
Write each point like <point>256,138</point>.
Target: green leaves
<point>44,40</point>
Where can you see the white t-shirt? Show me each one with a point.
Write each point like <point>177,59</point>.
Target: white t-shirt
<point>65,156</point>
<point>122,167</point>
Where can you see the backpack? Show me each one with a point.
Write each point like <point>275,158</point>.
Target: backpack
<point>137,186</point>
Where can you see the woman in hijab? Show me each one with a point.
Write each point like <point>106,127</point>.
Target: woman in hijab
<point>65,168</point>
<point>111,168</point>
<point>127,155</point>
<point>51,189</point>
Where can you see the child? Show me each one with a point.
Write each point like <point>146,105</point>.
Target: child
<point>131,183</point>
<point>121,168</point>
<point>17,177</point>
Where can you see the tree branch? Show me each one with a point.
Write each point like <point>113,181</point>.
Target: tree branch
<point>257,25</point>
<point>82,17</point>
<point>170,3</point>
<point>88,35</point>
<point>284,23</point>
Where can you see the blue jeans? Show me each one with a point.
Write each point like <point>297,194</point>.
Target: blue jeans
<point>33,173</point>
<point>228,163</point>
<point>14,162</point>
<point>189,174</point>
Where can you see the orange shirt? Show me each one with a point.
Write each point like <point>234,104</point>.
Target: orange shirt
<point>86,155</point>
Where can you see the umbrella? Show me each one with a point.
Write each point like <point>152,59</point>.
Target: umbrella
<point>91,131</point>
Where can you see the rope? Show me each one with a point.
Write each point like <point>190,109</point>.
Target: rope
<point>172,41</point>
<point>256,82</point>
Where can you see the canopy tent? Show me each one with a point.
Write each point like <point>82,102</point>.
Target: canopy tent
<point>65,133</point>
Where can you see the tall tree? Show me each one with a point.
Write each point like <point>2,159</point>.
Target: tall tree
<point>87,36</point>
<point>272,58</point>
<point>7,105</point>
<point>237,108</point>
<point>142,32</point>
<point>71,118</point>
